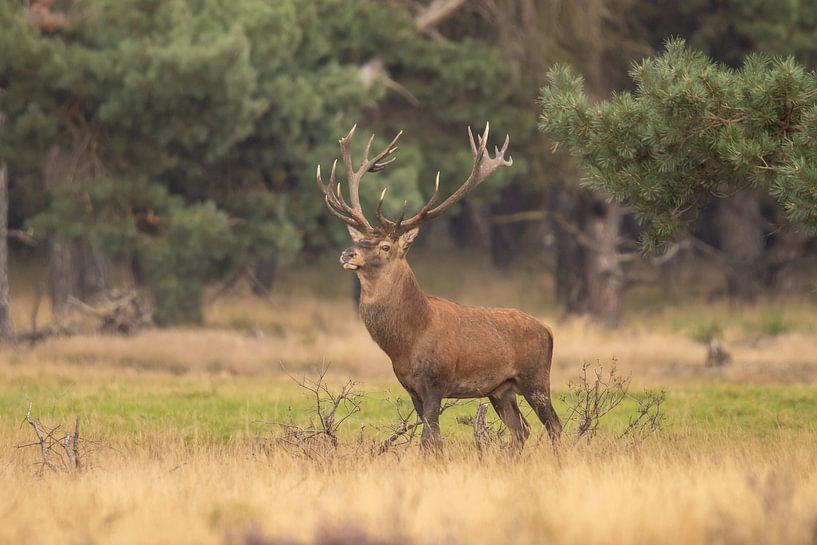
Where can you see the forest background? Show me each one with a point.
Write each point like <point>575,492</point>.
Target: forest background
<point>171,146</point>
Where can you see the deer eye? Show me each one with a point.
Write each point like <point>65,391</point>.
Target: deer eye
<point>385,247</point>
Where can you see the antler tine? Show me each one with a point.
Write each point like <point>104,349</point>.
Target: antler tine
<point>377,167</point>
<point>328,196</point>
<point>353,176</point>
<point>380,201</point>
<point>368,147</point>
<point>499,154</point>
<point>385,222</point>
<point>478,150</point>
<point>471,141</point>
<point>397,223</point>
<point>332,190</point>
<point>337,206</point>
<point>377,164</point>
<point>427,206</point>
<point>349,136</point>
<point>342,217</point>
<point>392,226</point>
<point>332,174</point>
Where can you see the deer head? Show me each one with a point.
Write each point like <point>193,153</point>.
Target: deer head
<point>380,249</point>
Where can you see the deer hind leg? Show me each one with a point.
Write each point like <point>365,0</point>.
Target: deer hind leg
<point>431,439</point>
<point>539,400</point>
<point>508,410</point>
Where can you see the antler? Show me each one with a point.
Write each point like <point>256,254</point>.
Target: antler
<point>353,215</point>
<point>484,166</point>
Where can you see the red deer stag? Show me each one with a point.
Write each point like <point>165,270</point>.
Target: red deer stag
<point>440,349</point>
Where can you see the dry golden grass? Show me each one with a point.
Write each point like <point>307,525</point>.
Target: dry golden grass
<point>246,335</point>
<point>669,492</point>
<point>695,484</point>
<point>310,319</point>
<point>157,489</point>
<point>650,357</point>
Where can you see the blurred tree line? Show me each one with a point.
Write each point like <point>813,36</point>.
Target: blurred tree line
<point>181,136</point>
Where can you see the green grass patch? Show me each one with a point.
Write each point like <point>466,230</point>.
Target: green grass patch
<point>203,409</point>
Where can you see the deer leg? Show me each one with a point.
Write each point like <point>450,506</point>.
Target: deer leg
<point>508,410</point>
<point>542,406</point>
<point>431,438</point>
<point>417,402</point>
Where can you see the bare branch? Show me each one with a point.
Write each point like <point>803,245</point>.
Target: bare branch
<point>26,237</point>
<point>331,409</point>
<point>597,392</point>
<point>52,447</point>
<point>436,13</point>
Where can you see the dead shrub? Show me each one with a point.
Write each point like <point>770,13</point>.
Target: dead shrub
<point>58,450</point>
<point>596,393</point>
<point>319,438</point>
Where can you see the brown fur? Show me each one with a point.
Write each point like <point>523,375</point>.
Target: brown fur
<point>441,349</point>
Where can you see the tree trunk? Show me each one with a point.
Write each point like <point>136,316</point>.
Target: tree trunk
<point>507,238</point>
<point>76,270</point>
<point>266,270</point>
<point>603,273</point>
<point>93,270</point>
<point>62,281</point>
<point>471,227</point>
<point>789,257</point>
<point>740,226</point>
<point>569,281</point>
<point>6,329</point>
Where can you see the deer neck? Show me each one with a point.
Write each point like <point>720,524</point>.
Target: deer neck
<point>394,309</point>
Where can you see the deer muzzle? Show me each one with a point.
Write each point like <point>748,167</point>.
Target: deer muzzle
<point>347,259</point>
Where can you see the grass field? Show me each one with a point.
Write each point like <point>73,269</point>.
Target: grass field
<point>185,434</point>
<point>192,459</point>
<point>206,409</point>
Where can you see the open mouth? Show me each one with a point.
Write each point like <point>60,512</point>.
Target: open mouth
<point>350,266</point>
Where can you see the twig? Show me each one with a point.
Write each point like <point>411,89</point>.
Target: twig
<point>52,447</point>
<point>42,437</point>
<point>406,428</point>
<point>482,434</point>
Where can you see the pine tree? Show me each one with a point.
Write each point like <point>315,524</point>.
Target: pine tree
<point>188,131</point>
<point>691,129</point>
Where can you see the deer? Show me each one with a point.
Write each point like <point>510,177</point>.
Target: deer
<point>438,348</point>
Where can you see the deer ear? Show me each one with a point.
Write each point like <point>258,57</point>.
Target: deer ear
<point>356,235</point>
<point>407,238</point>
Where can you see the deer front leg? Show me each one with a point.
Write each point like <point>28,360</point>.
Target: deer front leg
<point>431,439</point>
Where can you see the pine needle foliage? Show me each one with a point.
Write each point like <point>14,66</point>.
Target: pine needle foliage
<point>188,131</point>
<point>689,130</point>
